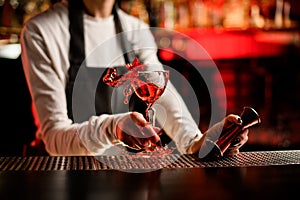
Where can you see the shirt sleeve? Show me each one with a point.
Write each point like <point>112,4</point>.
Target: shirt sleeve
<point>47,88</point>
<point>176,119</point>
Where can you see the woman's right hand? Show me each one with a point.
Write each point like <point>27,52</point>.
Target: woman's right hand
<point>136,133</point>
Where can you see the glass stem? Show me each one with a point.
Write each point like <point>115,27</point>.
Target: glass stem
<point>150,115</point>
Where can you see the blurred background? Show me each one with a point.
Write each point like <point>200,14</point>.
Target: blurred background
<point>255,45</point>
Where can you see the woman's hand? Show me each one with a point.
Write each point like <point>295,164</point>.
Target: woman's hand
<point>214,133</point>
<point>136,133</point>
<point>241,139</point>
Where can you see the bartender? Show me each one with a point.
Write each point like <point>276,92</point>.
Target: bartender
<point>73,40</point>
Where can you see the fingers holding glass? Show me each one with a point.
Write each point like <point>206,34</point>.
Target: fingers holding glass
<point>136,133</point>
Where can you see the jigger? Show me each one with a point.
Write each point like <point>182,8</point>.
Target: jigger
<point>249,118</point>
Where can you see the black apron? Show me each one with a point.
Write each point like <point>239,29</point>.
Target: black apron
<point>87,95</point>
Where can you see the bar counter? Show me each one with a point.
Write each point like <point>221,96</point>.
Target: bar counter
<point>249,175</point>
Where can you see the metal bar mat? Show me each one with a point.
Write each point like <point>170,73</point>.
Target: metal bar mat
<point>51,163</point>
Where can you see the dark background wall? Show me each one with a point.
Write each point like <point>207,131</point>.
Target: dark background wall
<point>17,125</point>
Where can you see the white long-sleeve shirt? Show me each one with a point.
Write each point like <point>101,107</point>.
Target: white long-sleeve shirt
<point>45,49</point>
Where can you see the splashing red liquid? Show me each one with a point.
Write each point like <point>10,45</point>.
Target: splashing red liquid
<point>113,79</point>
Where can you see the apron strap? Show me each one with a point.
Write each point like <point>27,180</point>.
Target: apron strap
<point>129,54</point>
<point>76,52</point>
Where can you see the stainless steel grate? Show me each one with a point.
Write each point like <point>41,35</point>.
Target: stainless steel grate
<point>49,163</point>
